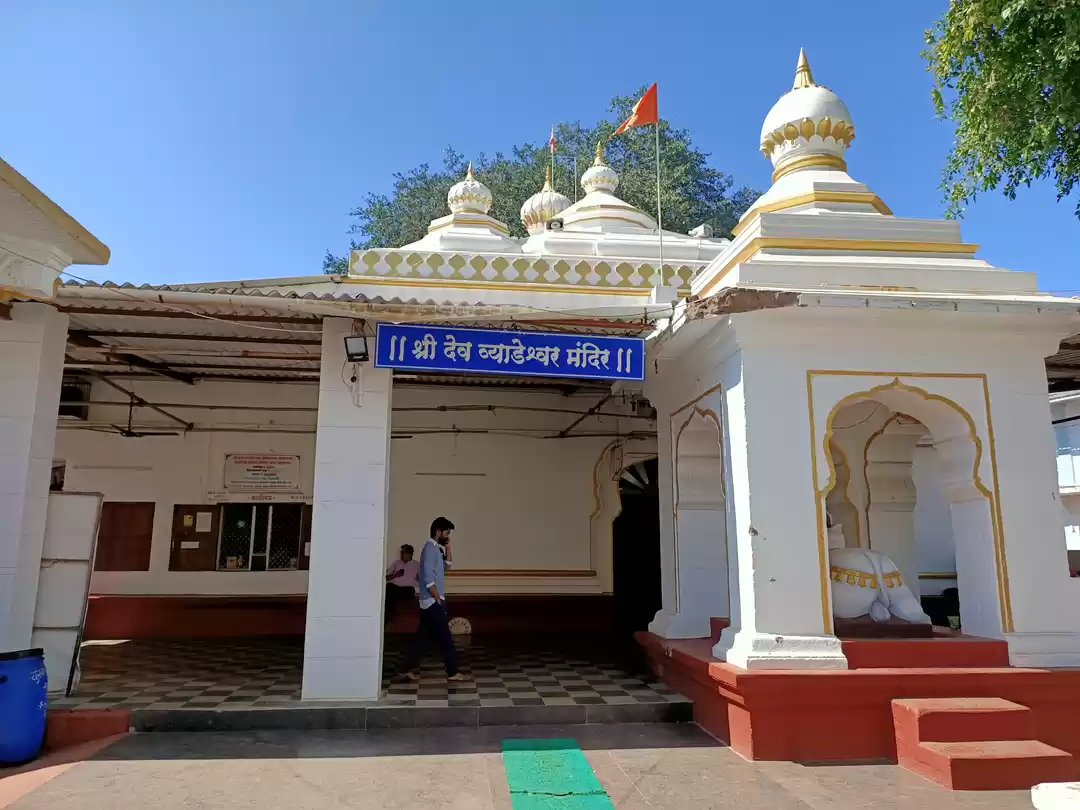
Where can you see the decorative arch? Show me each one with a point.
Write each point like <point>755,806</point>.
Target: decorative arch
<point>607,506</point>
<point>843,496</point>
<point>954,432</point>
<point>699,420</point>
<point>698,479</point>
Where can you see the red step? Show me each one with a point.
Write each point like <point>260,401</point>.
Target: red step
<point>990,765</point>
<point>961,720</point>
<point>975,744</point>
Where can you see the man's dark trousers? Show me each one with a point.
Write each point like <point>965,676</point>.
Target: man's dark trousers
<point>434,626</point>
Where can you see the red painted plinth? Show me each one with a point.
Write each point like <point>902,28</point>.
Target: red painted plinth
<point>837,715</point>
<point>64,727</point>
<point>946,648</point>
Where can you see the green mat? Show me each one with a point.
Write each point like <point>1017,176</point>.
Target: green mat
<point>551,775</point>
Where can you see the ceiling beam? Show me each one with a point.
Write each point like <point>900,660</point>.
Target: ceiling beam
<point>143,403</point>
<point>71,361</point>
<point>119,333</point>
<point>215,377</point>
<point>562,434</point>
<point>172,313</point>
<point>133,360</point>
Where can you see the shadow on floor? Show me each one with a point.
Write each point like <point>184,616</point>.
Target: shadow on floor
<point>394,742</point>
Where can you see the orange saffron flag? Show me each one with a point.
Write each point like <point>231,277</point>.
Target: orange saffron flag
<point>645,112</point>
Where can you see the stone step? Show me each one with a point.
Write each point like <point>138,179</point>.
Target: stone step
<point>356,717</point>
<point>961,720</point>
<point>988,765</point>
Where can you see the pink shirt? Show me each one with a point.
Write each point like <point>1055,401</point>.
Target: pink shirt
<point>409,578</point>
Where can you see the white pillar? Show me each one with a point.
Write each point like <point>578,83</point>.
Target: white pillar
<point>892,495</point>
<point>1044,600</point>
<point>31,370</point>
<point>698,590</point>
<point>784,611</point>
<point>343,640</point>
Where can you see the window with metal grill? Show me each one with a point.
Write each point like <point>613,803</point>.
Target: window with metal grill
<point>261,537</point>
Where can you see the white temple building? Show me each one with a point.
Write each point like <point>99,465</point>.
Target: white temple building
<point>835,382</point>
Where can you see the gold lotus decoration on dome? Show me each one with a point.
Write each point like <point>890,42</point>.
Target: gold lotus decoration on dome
<point>839,131</point>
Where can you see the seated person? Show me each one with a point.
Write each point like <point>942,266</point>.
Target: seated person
<point>401,580</point>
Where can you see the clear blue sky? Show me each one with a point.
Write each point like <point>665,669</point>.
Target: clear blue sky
<point>228,139</point>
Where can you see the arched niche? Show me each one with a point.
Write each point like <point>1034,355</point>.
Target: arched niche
<point>700,505</point>
<point>972,503</point>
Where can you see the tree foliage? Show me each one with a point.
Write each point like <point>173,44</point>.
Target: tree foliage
<point>1007,72</point>
<point>691,191</point>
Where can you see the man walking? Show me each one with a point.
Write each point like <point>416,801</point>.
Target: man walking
<point>435,558</point>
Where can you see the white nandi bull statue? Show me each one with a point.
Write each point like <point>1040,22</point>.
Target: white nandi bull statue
<point>865,581</point>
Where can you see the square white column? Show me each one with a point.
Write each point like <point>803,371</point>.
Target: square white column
<point>693,532</point>
<point>781,613</point>
<point>31,371</point>
<point>1044,601</point>
<point>343,639</point>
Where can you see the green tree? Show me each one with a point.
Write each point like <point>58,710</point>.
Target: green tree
<point>692,192</point>
<point>1007,72</point>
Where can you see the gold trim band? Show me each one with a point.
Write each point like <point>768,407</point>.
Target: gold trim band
<point>857,197</point>
<point>865,245</point>
<point>490,223</point>
<point>809,162</point>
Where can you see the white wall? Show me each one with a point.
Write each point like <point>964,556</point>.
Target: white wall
<point>933,523</point>
<point>519,502</point>
<point>181,469</point>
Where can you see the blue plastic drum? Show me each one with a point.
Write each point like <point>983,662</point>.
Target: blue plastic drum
<point>23,685</point>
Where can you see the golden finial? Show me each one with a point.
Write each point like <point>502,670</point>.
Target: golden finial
<point>599,161</point>
<point>468,172</point>
<point>803,76</point>
<point>547,178</point>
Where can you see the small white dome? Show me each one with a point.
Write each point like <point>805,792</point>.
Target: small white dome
<point>469,195</point>
<point>813,102</point>
<point>542,206</point>
<point>600,176</point>
<point>807,121</point>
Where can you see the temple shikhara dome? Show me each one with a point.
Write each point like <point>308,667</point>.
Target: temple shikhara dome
<point>542,206</point>
<point>600,176</point>
<point>468,225</point>
<point>469,195</point>
<point>806,136</point>
<point>808,126</point>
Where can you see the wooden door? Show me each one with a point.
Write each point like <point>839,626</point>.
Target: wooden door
<point>195,538</point>
<point>125,535</point>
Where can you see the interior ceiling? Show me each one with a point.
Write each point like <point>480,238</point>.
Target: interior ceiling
<point>1063,368</point>
<point>187,346</point>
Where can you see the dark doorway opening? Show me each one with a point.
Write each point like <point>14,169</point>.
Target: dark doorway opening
<point>636,551</point>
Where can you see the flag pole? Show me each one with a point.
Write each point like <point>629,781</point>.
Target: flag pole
<point>659,212</point>
<point>551,145</point>
<point>574,180</point>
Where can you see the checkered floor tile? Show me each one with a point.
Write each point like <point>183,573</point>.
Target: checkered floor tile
<point>257,672</point>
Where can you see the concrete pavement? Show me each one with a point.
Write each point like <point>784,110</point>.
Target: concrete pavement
<point>660,766</point>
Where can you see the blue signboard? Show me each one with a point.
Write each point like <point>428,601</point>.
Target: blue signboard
<point>519,353</point>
